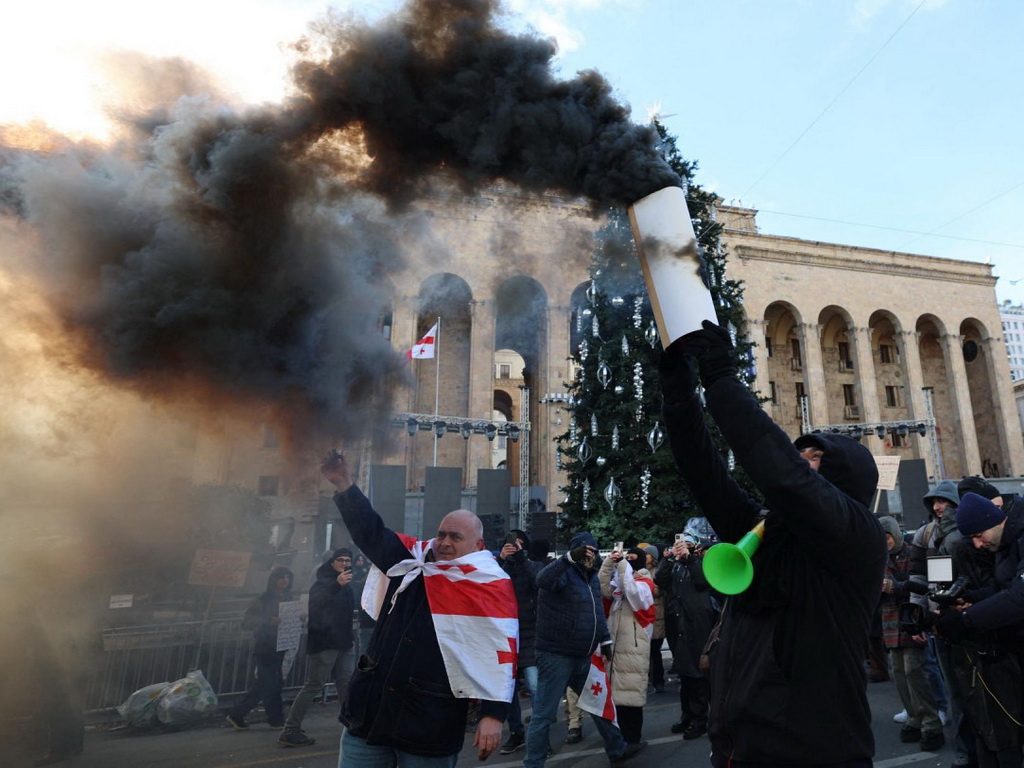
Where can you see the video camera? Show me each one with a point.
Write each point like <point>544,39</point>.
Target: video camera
<point>915,618</point>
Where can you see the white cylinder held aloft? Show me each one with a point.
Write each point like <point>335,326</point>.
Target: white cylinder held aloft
<point>671,265</point>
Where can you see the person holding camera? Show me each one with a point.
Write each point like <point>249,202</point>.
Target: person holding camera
<point>788,684</point>
<point>571,626</point>
<point>329,642</point>
<point>907,648</point>
<point>688,599</point>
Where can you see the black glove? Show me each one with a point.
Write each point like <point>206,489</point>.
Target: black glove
<point>677,373</point>
<point>712,347</point>
<point>579,554</point>
<point>606,649</point>
<point>952,625</point>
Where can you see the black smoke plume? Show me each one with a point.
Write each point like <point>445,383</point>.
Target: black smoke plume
<point>243,255</point>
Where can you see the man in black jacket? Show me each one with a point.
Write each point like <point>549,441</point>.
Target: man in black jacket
<point>328,642</point>
<point>400,701</point>
<point>788,685</point>
<point>261,618</point>
<point>571,626</point>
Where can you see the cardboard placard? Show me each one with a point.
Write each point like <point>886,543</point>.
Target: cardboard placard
<point>219,568</point>
<point>888,469</point>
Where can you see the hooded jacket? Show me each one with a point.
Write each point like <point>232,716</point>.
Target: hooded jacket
<point>263,609</point>
<point>523,573</point>
<point>331,608</point>
<point>788,684</point>
<point>897,572</point>
<point>570,616</point>
<point>939,536</point>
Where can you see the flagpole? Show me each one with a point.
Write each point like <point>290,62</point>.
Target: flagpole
<point>437,380</point>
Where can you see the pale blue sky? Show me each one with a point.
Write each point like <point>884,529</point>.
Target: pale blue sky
<point>898,117</point>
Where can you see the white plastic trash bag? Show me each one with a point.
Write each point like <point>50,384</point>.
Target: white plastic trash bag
<point>140,708</point>
<point>186,700</point>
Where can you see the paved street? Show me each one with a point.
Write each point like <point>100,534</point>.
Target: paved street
<point>220,746</point>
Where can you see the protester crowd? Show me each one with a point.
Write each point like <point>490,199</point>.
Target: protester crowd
<point>773,673</point>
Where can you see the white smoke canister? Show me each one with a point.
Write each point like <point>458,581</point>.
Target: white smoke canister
<point>671,265</point>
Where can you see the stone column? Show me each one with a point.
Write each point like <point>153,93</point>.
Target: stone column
<point>755,334</point>
<point>814,373</point>
<point>913,376</point>
<point>1007,421</point>
<point>543,418</point>
<point>481,384</point>
<point>952,347</point>
<point>865,371</point>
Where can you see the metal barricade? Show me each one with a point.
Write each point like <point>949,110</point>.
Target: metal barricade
<point>134,657</point>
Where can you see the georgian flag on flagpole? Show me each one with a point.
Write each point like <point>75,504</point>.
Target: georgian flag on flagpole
<point>476,617</point>
<point>596,696</point>
<point>424,348</point>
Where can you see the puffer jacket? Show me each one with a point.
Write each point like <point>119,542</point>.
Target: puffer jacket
<point>331,609</point>
<point>688,599</point>
<point>570,618</point>
<point>631,648</point>
<point>788,683</point>
<point>260,611</point>
<point>399,695</point>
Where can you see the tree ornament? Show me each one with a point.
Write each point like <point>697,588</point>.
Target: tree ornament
<point>586,313</point>
<point>584,350</point>
<point>586,495</point>
<point>645,487</point>
<point>638,380</point>
<point>638,302</point>
<point>594,331</point>
<point>600,461</point>
<point>617,301</point>
<point>612,493</point>
<point>584,452</point>
<point>618,390</point>
<point>651,334</point>
<point>593,425</point>
<point>615,437</point>
<point>558,460</point>
<point>655,437</point>
<point>604,374</point>
<point>592,293</point>
<point>625,346</point>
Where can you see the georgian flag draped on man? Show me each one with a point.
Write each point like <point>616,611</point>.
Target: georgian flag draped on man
<point>469,596</point>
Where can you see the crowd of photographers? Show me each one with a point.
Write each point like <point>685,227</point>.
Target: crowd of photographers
<point>953,596</point>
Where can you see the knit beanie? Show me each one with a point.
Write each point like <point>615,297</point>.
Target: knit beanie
<point>652,550</point>
<point>977,485</point>
<point>977,514</point>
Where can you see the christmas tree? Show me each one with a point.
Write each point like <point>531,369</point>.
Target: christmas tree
<point>623,483</point>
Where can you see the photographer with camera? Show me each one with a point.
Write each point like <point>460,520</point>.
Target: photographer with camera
<point>980,618</point>
<point>907,646</point>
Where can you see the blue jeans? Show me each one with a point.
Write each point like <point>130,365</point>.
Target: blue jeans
<point>515,711</point>
<point>356,753</point>
<point>554,674</point>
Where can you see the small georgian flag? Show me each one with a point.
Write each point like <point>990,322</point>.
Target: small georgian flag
<point>424,348</point>
<point>596,696</point>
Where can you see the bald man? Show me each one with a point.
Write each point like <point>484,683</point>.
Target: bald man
<point>400,703</point>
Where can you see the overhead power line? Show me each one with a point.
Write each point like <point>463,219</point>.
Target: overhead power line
<point>892,229</point>
<point>838,96</point>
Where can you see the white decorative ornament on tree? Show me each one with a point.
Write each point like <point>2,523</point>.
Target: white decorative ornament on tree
<point>584,452</point>
<point>651,335</point>
<point>604,374</point>
<point>625,345</point>
<point>655,437</point>
<point>612,493</point>
<point>600,461</point>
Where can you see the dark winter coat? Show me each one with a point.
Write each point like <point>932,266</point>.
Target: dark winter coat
<point>399,695</point>
<point>570,615</point>
<point>688,599</point>
<point>523,573</point>
<point>331,609</point>
<point>897,570</point>
<point>788,684</point>
<point>261,610</point>
<point>1002,603</point>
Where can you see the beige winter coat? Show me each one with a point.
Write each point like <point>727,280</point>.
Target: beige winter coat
<point>631,647</point>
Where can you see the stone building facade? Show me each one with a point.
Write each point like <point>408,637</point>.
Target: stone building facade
<point>871,337</point>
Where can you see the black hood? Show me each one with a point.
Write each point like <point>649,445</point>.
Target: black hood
<point>847,464</point>
<point>277,573</point>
